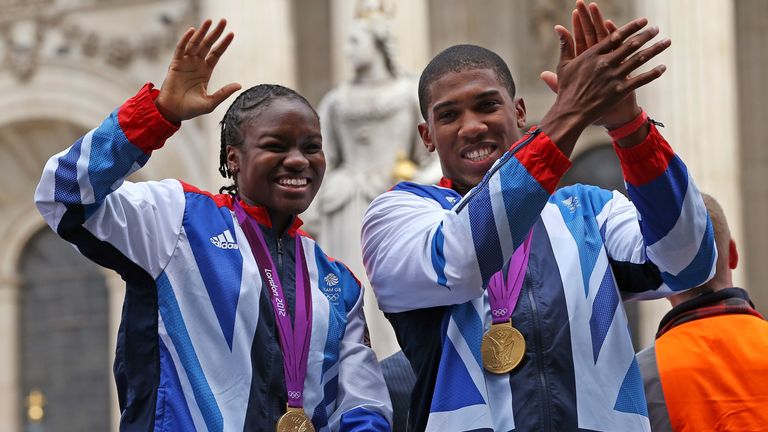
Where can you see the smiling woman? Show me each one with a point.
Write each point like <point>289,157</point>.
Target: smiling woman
<point>271,146</point>
<point>234,319</point>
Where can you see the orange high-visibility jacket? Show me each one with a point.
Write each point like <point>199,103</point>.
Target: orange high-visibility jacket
<point>709,373</point>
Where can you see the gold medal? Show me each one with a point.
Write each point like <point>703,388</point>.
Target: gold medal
<point>294,420</point>
<point>502,348</point>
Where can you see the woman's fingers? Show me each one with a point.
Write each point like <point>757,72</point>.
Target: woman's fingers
<point>211,39</point>
<point>217,51</point>
<point>197,38</point>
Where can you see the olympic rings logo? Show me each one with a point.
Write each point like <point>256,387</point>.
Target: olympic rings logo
<point>499,312</point>
<point>294,394</point>
<point>332,296</point>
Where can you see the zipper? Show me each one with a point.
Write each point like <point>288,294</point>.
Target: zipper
<point>545,404</point>
<point>531,135</point>
<point>281,275</point>
<point>280,258</point>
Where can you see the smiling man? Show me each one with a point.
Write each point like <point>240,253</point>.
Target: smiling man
<point>505,293</point>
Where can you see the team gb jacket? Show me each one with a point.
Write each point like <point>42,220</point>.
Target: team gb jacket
<point>197,347</point>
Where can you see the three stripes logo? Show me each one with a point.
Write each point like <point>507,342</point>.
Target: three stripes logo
<point>224,241</point>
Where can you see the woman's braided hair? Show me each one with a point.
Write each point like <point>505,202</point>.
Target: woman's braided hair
<point>246,107</point>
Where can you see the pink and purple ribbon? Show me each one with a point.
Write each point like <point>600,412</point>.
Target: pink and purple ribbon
<point>503,295</point>
<point>294,339</point>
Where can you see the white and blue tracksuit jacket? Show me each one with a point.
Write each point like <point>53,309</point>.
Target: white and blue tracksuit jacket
<point>429,254</point>
<point>197,347</point>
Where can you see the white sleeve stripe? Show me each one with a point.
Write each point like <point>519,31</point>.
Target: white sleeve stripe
<point>147,207</point>
<point>623,240</point>
<point>83,176</point>
<point>675,251</point>
<point>500,216</point>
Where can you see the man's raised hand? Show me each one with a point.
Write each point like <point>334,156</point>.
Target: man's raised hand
<point>594,81</point>
<point>589,29</point>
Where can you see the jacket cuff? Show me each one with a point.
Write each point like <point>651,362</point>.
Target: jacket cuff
<point>142,123</point>
<point>646,161</point>
<point>543,160</point>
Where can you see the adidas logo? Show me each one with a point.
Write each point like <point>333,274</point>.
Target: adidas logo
<point>224,241</point>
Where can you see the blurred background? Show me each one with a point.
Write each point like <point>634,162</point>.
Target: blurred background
<point>66,64</point>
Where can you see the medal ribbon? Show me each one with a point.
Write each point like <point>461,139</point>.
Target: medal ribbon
<point>294,340</point>
<point>503,296</point>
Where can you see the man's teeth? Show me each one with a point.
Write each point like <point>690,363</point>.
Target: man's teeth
<point>475,155</point>
<point>285,181</point>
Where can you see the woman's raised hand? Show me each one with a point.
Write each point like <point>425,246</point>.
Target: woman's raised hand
<point>184,93</point>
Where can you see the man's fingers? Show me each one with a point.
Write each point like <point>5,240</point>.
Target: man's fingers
<point>222,94</point>
<point>611,26</point>
<point>617,37</point>
<point>590,34</point>
<point>578,33</point>
<point>598,21</point>
<point>215,54</point>
<point>181,47</point>
<point>194,43</point>
<point>550,79</point>
<point>212,38</point>
<point>631,45</point>
<point>642,79</point>
<point>566,45</point>
<point>642,57</point>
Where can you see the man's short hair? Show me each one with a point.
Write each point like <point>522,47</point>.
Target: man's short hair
<point>720,228</point>
<point>722,236</point>
<point>460,58</point>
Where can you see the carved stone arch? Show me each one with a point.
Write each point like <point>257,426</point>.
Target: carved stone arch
<point>25,145</point>
<point>63,101</point>
<point>39,118</point>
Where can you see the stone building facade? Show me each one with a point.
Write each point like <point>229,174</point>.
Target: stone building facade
<point>66,64</point>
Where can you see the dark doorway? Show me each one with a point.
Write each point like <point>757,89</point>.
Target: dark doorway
<point>63,339</point>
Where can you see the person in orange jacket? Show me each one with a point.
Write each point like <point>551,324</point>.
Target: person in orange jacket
<point>708,369</point>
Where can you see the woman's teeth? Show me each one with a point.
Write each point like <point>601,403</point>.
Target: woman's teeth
<point>285,181</point>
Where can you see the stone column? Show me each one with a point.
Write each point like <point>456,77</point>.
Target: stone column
<point>9,355</point>
<point>411,28</point>
<point>696,100</point>
<point>751,20</point>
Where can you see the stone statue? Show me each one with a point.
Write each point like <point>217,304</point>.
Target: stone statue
<point>370,142</point>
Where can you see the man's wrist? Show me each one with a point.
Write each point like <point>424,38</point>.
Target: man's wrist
<point>622,131</point>
<point>563,128</point>
<point>622,115</point>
